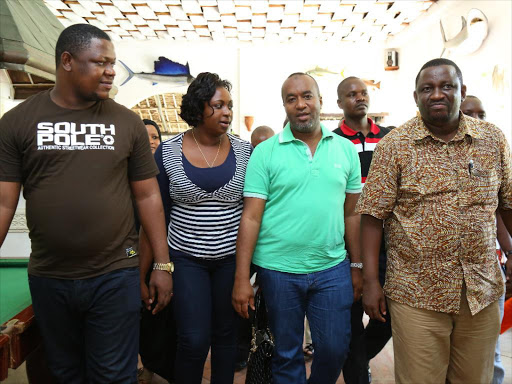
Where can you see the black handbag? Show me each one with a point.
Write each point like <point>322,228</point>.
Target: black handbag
<point>259,364</point>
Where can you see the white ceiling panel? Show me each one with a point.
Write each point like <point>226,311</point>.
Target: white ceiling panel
<point>247,21</point>
<point>191,6</point>
<point>156,25</point>
<point>226,7</point>
<point>124,6</point>
<point>175,31</point>
<point>126,24</point>
<point>203,31</point>
<point>186,25</point>
<point>136,20</point>
<point>259,21</point>
<point>273,27</point>
<point>218,36</point>
<point>198,20</point>
<point>260,6</point>
<point>208,3</point>
<point>145,12</point>
<point>275,13</point>
<point>211,13</point>
<point>243,13</point>
<point>229,20</point>
<point>258,32</point>
<point>215,26</point>
<point>167,20</point>
<point>178,13</point>
<point>113,11</point>
<point>80,10</point>
<point>92,6</point>
<point>109,20</point>
<point>293,7</point>
<point>309,13</point>
<point>191,35</point>
<point>230,32</point>
<point>244,26</point>
<point>157,6</point>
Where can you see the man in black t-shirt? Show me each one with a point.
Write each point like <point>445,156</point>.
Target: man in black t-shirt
<point>354,100</point>
<point>80,157</point>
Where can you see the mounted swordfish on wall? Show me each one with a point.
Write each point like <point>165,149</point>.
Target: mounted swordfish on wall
<point>166,71</point>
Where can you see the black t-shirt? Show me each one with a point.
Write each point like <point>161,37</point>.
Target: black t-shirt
<point>75,167</point>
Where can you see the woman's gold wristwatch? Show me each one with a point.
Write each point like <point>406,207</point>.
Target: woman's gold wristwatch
<point>167,267</point>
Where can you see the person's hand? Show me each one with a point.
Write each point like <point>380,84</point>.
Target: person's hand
<point>357,283</point>
<point>144,294</point>
<point>242,297</point>
<point>160,284</point>
<point>374,302</point>
<point>508,268</point>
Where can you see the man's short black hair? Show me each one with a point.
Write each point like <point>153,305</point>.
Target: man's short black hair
<point>437,63</point>
<point>345,81</point>
<point>76,38</point>
<point>302,74</point>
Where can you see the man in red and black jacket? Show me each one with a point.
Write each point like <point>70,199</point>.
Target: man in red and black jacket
<point>354,100</point>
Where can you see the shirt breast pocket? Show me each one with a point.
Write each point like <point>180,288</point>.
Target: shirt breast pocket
<point>427,181</point>
<point>484,183</point>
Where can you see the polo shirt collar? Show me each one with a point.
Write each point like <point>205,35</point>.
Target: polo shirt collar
<point>347,131</point>
<point>286,134</point>
<point>466,127</point>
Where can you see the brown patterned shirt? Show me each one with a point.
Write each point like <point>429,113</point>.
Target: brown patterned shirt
<point>438,202</point>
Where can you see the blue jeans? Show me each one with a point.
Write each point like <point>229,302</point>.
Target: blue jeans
<point>204,316</point>
<point>325,297</point>
<point>90,327</point>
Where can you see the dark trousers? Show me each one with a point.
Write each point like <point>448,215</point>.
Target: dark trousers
<point>367,342</point>
<point>204,317</point>
<point>90,327</point>
<point>158,341</point>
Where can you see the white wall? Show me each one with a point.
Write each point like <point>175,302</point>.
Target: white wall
<point>264,69</point>
<point>6,93</point>
<point>258,71</point>
<point>139,56</point>
<point>423,42</point>
<point>17,242</point>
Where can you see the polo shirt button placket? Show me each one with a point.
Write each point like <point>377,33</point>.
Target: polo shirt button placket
<point>308,153</point>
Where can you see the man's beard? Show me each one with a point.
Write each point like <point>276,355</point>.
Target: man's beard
<point>306,127</point>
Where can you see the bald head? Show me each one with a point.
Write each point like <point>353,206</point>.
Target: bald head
<point>472,106</point>
<point>261,134</point>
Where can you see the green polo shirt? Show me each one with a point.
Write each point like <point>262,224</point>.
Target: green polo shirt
<point>303,225</point>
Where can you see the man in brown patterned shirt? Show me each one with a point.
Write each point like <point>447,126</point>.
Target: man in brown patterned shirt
<point>434,186</point>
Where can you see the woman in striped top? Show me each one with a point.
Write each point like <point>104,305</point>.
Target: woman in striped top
<point>201,180</point>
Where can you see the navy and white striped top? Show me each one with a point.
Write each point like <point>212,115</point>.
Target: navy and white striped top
<point>200,223</point>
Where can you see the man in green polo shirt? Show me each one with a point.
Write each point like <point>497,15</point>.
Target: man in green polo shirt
<point>301,188</point>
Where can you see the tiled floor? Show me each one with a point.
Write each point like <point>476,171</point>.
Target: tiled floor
<point>381,367</point>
